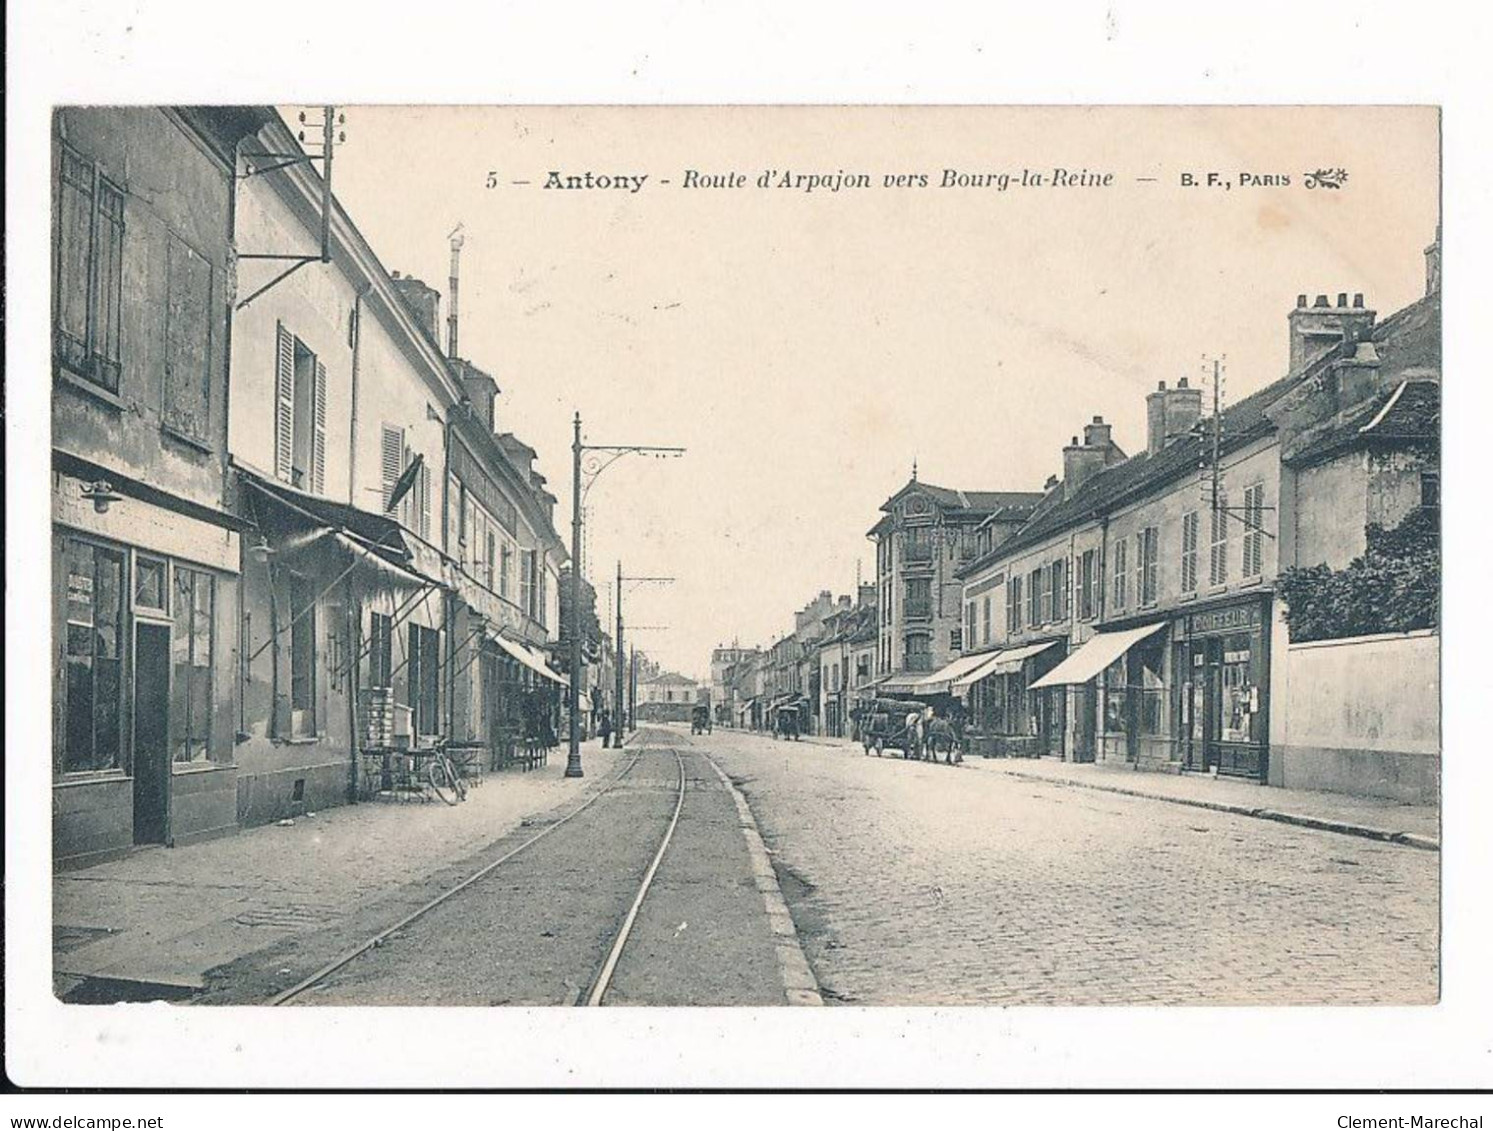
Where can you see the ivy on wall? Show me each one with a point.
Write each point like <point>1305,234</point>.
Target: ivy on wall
<point>1395,586</point>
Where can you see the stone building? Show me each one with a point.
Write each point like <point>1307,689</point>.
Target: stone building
<point>145,551</point>
<point>1133,617</point>
<point>926,533</point>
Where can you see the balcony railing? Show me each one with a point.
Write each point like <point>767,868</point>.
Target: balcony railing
<point>917,608</point>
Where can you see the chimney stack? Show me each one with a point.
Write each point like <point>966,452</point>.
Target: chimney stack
<point>423,302</point>
<point>1080,461</point>
<point>1171,413</point>
<point>1317,328</point>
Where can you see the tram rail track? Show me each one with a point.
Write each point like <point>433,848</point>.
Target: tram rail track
<point>601,983</point>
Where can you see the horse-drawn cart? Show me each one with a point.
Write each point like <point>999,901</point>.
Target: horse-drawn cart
<point>894,724</point>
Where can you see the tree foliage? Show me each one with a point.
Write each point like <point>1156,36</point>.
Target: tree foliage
<point>1395,586</point>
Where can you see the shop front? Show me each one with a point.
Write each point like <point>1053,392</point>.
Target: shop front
<point>1006,716</point>
<point>1221,705</point>
<point>1117,683</point>
<point>144,625</point>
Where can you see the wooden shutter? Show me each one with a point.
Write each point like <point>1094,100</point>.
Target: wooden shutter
<point>284,400</point>
<point>319,435</point>
<point>425,501</point>
<point>391,460</point>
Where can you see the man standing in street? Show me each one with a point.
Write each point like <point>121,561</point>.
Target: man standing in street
<point>604,728</point>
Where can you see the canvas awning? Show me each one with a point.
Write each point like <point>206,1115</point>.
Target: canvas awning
<point>531,660</point>
<point>941,682</point>
<point>1096,655</point>
<point>1005,662</point>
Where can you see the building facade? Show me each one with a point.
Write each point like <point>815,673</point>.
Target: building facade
<point>146,554</point>
<point>926,534</point>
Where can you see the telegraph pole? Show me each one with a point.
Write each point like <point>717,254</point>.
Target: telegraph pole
<point>620,721</point>
<point>606,455</point>
<point>573,756</point>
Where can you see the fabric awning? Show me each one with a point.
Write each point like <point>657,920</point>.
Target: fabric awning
<point>1096,655</point>
<point>1005,662</point>
<point>531,660</point>
<point>941,681</point>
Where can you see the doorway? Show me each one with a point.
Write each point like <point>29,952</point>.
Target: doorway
<point>152,750</point>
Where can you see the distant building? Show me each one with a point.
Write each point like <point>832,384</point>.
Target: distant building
<point>666,697</point>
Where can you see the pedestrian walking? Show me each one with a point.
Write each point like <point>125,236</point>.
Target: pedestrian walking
<point>604,728</point>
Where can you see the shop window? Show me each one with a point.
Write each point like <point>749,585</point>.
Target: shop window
<point>92,691</point>
<point>302,655</point>
<point>150,584</point>
<point>89,271</point>
<point>1116,699</point>
<point>1147,679</point>
<point>187,403</point>
<point>192,666</point>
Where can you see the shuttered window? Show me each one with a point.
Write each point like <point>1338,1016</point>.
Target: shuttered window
<point>284,401</point>
<point>1190,552</point>
<point>186,398</point>
<point>1218,556</point>
<point>1254,538</point>
<point>424,501</point>
<point>1121,573</point>
<point>319,432</point>
<point>391,460</point>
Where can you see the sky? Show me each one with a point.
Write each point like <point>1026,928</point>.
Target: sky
<point>806,347</point>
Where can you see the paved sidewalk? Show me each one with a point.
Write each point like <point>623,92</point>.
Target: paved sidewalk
<point>1376,818</point>
<point>165,916</point>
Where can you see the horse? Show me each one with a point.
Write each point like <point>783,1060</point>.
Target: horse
<point>941,737</point>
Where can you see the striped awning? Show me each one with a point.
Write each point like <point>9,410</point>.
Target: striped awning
<point>1097,653</point>
<point>941,682</point>
<point>1005,662</point>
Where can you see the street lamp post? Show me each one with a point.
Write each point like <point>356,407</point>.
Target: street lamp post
<point>608,454</point>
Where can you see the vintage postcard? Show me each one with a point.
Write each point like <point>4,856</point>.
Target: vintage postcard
<point>803,557</point>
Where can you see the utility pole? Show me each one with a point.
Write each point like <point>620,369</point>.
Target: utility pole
<point>606,455</point>
<point>621,719</point>
<point>573,755</point>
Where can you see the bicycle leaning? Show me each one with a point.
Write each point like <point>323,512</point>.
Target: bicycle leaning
<point>443,778</point>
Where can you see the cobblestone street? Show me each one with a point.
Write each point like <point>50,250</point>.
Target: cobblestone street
<point>918,884</point>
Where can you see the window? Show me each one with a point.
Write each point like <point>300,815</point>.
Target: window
<point>301,419</point>
<point>1190,552</point>
<point>1218,557</point>
<point>916,654</point>
<point>505,572</point>
<point>425,679</point>
<point>391,460</point>
<point>1059,573</point>
<point>1254,533</point>
<point>985,620</point>
<point>1145,566</point>
<point>970,620</point>
<point>92,690</point>
<point>150,584</point>
<point>956,640</point>
<point>542,599</point>
<point>192,666</point>
<point>1034,598</point>
<point>1430,489</point>
<point>187,401</point>
<point>1121,574</point>
<point>526,583</point>
<point>302,655</point>
<point>380,650</point>
<point>488,555</point>
<point>1013,605</point>
<point>919,597</point>
<point>1086,564</point>
<point>90,271</point>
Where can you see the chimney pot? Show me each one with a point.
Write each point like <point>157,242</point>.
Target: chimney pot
<point>1321,301</point>
<point>1161,386</point>
<point>1358,300</point>
<point>1300,300</point>
<point>1182,382</point>
<point>1073,442</point>
<point>1098,420</point>
<point>1342,298</point>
